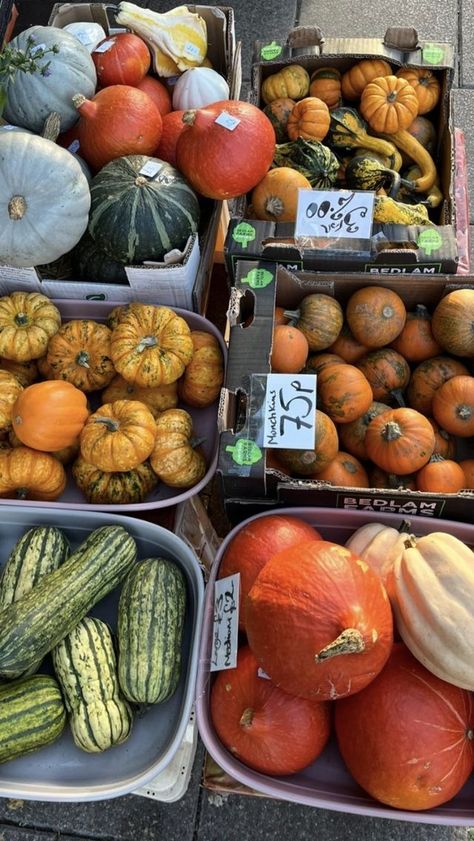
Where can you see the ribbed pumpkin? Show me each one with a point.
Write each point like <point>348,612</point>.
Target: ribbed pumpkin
<point>320,318</point>
<point>453,322</point>
<point>325,83</point>
<point>343,392</point>
<point>27,322</point>
<point>360,74</point>
<point>29,474</point>
<point>425,84</point>
<point>331,617</point>
<point>10,390</point>
<point>389,104</point>
<point>80,354</point>
<point>400,441</point>
<point>275,198</point>
<point>25,372</point>
<point>309,119</point>
<point>104,487</point>
<point>135,217</point>
<point>201,382</point>
<point>175,458</point>
<point>118,436</point>
<point>291,81</point>
<point>157,399</point>
<point>50,415</point>
<point>223,164</point>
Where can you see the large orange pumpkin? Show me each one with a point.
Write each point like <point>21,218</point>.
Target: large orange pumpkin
<point>50,415</point>
<point>254,544</point>
<point>407,738</point>
<point>263,727</point>
<point>319,621</point>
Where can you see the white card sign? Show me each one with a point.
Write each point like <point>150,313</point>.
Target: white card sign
<point>104,47</point>
<point>334,213</point>
<point>150,168</point>
<point>226,623</point>
<point>227,121</point>
<point>290,411</point>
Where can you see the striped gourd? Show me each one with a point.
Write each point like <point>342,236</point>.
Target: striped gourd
<point>32,715</point>
<point>86,667</point>
<point>32,626</point>
<point>39,551</point>
<point>150,627</point>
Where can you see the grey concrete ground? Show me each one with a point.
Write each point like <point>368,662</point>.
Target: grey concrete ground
<point>200,815</point>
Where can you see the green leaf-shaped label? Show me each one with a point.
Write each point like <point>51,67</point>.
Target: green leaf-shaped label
<point>258,278</point>
<point>429,240</point>
<point>433,53</point>
<point>243,233</point>
<point>245,452</point>
<point>270,51</point>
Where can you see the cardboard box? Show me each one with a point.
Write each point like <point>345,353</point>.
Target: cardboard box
<point>391,247</point>
<point>248,485</point>
<point>183,282</point>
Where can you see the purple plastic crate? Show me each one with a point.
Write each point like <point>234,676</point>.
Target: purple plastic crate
<point>204,424</point>
<point>326,783</point>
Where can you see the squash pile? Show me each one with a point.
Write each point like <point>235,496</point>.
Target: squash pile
<point>364,129</point>
<point>107,400</point>
<point>317,656</point>
<point>395,389</point>
<point>98,683</point>
<point>127,135</point>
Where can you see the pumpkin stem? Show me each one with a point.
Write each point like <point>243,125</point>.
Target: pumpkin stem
<point>82,359</point>
<point>463,411</point>
<point>21,493</point>
<point>189,117</point>
<point>52,126</point>
<point>387,311</point>
<point>21,319</point>
<point>246,717</point>
<point>147,341</point>
<point>349,641</point>
<point>274,206</point>
<point>410,542</point>
<point>111,424</point>
<point>391,431</point>
<point>398,397</point>
<point>470,734</point>
<point>87,107</point>
<point>293,315</point>
<point>405,525</point>
<point>16,208</point>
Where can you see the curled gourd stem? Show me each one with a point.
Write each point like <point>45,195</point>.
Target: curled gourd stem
<point>246,717</point>
<point>349,641</point>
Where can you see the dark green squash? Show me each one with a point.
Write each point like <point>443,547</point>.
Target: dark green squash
<point>136,217</point>
<point>310,157</point>
<point>94,265</point>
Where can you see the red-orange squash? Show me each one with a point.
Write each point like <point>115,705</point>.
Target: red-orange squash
<point>263,727</point>
<point>407,738</point>
<point>126,60</point>
<point>50,415</point>
<point>319,621</point>
<point>158,92</point>
<point>253,544</point>
<point>172,126</point>
<point>223,164</point>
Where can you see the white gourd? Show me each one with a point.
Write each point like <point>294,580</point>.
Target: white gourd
<point>199,87</point>
<point>379,546</point>
<point>88,33</point>
<point>44,200</point>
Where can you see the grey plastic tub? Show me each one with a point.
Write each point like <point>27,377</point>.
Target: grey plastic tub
<point>204,424</point>
<point>63,772</point>
<point>325,783</point>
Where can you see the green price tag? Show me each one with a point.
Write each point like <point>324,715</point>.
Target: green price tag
<point>258,278</point>
<point>433,53</point>
<point>429,240</point>
<point>269,51</point>
<point>243,233</point>
<point>245,452</point>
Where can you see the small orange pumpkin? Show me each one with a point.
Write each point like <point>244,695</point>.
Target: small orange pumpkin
<point>453,406</point>
<point>400,441</point>
<point>275,197</point>
<point>375,315</point>
<point>387,372</point>
<point>309,462</point>
<point>29,474</point>
<point>289,349</point>
<point>441,475</point>
<point>360,74</point>
<point>317,362</point>
<point>453,322</point>
<point>25,372</point>
<point>427,377</point>
<point>381,479</point>
<point>10,390</point>
<point>425,84</point>
<point>467,465</point>
<point>416,341</point>
<point>325,83</point>
<point>50,415</point>
<point>352,435</point>
<point>310,119</point>
<point>445,444</point>
<point>345,471</point>
<point>201,382</point>
<point>343,392</point>
<point>118,436</point>
<point>347,346</point>
<point>389,104</point>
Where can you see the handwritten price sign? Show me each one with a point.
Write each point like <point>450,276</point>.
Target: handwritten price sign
<point>334,213</point>
<point>290,408</point>
<point>226,623</point>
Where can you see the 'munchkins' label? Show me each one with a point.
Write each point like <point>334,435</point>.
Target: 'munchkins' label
<point>388,505</point>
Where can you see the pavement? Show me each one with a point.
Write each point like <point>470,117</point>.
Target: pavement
<point>202,815</point>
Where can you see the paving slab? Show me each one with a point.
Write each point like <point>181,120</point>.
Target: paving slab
<point>466,41</point>
<point>129,818</point>
<point>463,117</point>
<point>17,833</point>
<point>235,817</point>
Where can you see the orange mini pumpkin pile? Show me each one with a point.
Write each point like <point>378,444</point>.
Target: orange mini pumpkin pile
<point>135,370</point>
<point>395,392</point>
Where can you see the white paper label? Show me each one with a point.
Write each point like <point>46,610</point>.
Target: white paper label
<point>192,50</point>
<point>262,674</point>
<point>102,48</point>
<point>226,623</point>
<point>290,411</point>
<point>334,213</point>
<point>75,146</point>
<point>151,168</point>
<point>227,121</point>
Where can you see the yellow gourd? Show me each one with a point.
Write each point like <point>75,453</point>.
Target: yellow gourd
<point>291,81</point>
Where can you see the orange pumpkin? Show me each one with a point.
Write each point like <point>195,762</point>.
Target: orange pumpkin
<point>344,392</point>
<point>425,84</point>
<point>381,479</point>
<point>201,382</point>
<point>289,349</point>
<point>317,362</point>
<point>352,435</point>
<point>50,415</point>
<point>360,74</point>
<point>445,444</point>
<point>453,406</point>
<point>28,474</point>
<point>467,465</point>
<point>375,316</point>
<point>310,119</point>
<point>440,475</point>
<point>79,353</point>
<point>275,198</point>
<point>400,441</point>
<point>347,346</point>
<point>387,372</point>
<point>427,377</point>
<point>118,436</point>
<point>158,398</point>
<point>344,471</point>
<point>453,322</point>
<point>416,341</point>
<point>320,318</point>
<point>25,372</point>
<point>389,104</point>
<point>325,83</point>
<point>309,462</point>
<point>10,390</point>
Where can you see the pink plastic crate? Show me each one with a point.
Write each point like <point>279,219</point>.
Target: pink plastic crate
<point>326,783</point>
<point>204,423</point>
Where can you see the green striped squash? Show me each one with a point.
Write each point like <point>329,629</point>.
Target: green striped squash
<point>310,157</point>
<point>39,551</point>
<point>32,715</point>
<point>136,217</point>
<point>86,667</point>
<point>150,627</point>
<point>32,626</point>
<point>94,265</point>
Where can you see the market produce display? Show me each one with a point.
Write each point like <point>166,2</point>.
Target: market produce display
<point>401,711</point>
